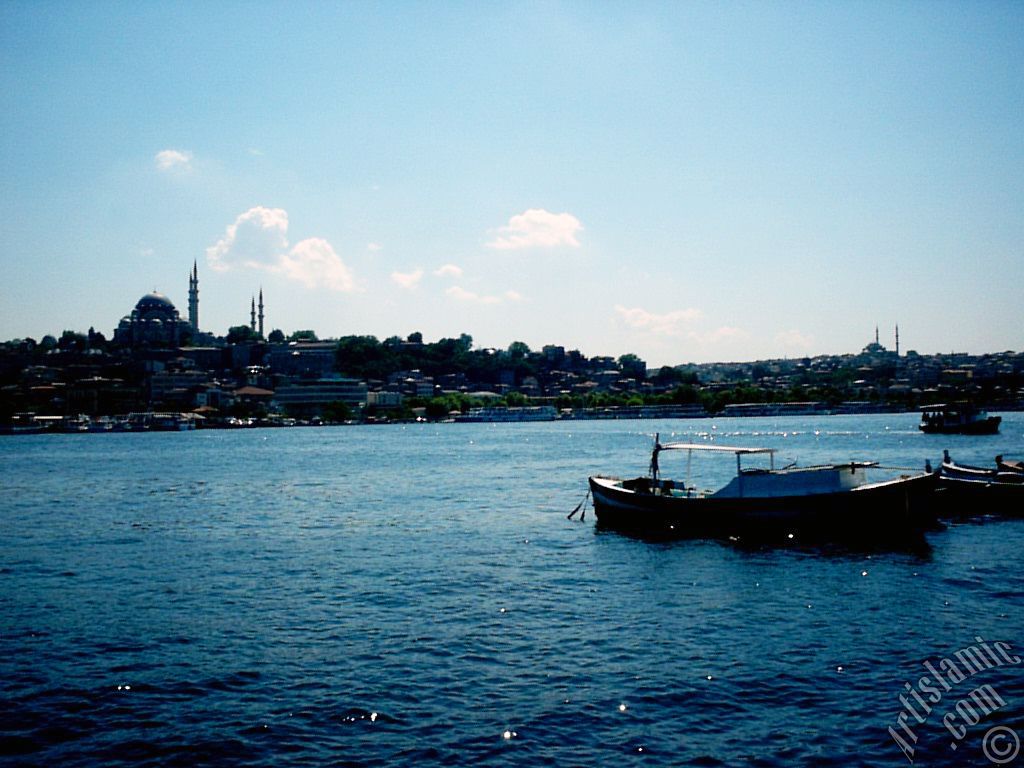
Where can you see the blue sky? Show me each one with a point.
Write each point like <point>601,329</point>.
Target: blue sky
<point>685,181</point>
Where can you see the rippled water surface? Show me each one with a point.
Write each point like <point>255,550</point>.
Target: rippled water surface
<point>416,596</point>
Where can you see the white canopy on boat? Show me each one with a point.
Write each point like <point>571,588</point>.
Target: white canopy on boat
<point>691,447</point>
<point>706,447</point>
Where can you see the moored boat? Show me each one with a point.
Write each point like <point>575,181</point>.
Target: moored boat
<point>22,424</point>
<point>968,491</point>
<point>1010,465</point>
<point>172,422</point>
<point>1001,472</point>
<point>833,501</point>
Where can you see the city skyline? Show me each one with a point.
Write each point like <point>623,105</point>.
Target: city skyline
<point>688,183</point>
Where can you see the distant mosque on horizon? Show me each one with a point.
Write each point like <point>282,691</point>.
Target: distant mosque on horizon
<point>156,322</point>
<point>876,348</point>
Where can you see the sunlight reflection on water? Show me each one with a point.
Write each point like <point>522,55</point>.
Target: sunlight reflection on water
<point>408,595</point>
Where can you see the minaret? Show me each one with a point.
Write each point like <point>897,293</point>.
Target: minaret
<point>876,334</point>
<point>193,298</point>
<point>261,315</point>
<point>252,315</point>
<point>897,339</point>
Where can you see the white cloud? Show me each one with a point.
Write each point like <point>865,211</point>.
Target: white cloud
<point>675,323</point>
<point>313,262</point>
<point>670,332</point>
<point>258,239</point>
<point>794,339</point>
<point>720,335</point>
<point>448,270</point>
<point>373,247</point>
<point>514,296</point>
<point>173,160</point>
<point>461,294</point>
<point>537,228</point>
<point>408,280</point>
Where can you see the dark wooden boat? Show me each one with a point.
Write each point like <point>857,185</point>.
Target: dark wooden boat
<point>1002,471</point>
<point>958,419</point>
<point>835,501</point>
<point>970,491</point>
<point>1010,465</point>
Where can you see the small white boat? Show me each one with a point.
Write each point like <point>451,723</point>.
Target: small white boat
<point>172,422</point>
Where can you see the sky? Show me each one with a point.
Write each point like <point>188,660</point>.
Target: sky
<point>684,181</point>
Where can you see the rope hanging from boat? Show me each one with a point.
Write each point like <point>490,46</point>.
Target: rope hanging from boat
<point>579,506</point>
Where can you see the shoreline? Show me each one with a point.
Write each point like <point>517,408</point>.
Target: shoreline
<point>30,424</point>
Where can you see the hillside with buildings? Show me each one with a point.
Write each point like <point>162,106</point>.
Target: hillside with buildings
<point>158,361</point>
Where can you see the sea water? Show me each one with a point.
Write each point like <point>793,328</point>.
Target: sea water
<point>415,595</point>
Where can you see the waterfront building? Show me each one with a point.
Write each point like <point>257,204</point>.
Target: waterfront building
<point>208,358</point>
<point>308,397</point>
<point>253,397</point>
<point>303,358</point>
<point>165,384</point>
<point>384,400</point>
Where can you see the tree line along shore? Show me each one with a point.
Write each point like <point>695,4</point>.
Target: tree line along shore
<point>244,379</point>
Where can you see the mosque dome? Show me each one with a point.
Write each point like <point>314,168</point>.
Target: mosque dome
<point>155,322</point>
<point>154,301</point>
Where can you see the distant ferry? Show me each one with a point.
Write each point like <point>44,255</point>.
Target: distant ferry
<point>497,414</point>
<point>958,419</point>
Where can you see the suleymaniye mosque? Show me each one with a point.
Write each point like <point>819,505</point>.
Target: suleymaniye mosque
<point>153,322</point>
<point>156,322</point>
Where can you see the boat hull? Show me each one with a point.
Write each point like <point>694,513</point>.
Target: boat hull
<point>876,511</point>
<point>962,497</point>
<point>952,471</point>
<point>988,426</point>
<point>969,491</point>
